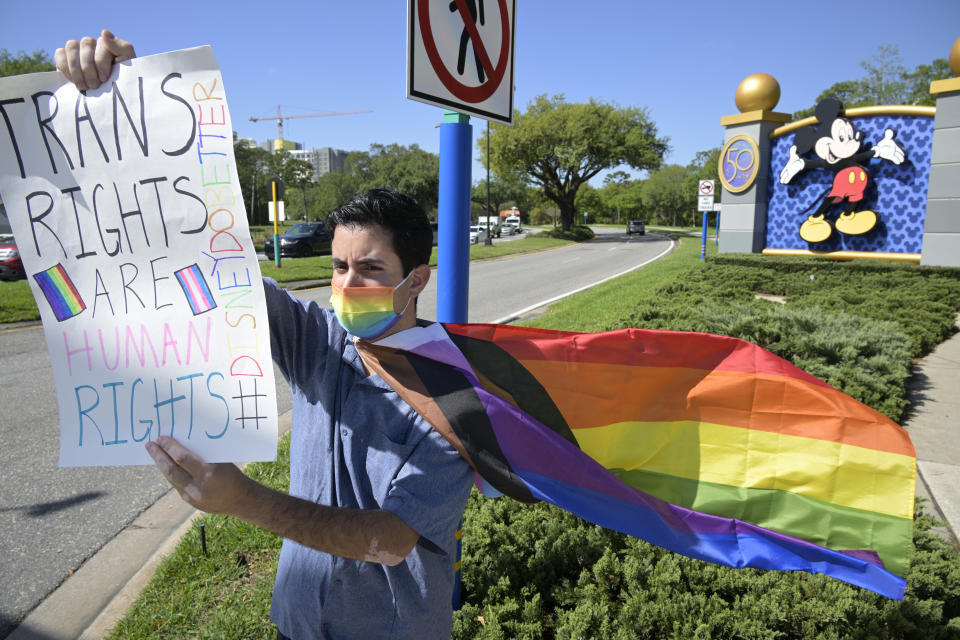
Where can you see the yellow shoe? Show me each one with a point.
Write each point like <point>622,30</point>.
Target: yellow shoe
<point>855,223</point>
<point>815,229</point>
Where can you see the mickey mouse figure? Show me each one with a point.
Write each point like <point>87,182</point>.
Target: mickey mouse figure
<point>837,145</point>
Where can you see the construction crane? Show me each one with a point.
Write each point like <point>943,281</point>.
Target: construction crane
<point>280,118</point>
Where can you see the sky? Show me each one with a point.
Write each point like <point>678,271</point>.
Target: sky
<point>681,60</point>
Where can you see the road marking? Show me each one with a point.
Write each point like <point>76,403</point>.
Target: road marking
<point>18,329</point>
<point>519,314</point>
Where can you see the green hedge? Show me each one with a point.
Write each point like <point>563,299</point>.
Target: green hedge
<point>539,573</point>
<point>855,326</point>
<point>577,233</point>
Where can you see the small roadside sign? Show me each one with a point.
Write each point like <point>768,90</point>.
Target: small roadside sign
<point>705,203</point>
<point>716,206</point>
<point>705,188</point>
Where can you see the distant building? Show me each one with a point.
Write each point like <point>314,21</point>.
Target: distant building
<point>276,144</point>
<point>323,160</point>
<point>246,142</point>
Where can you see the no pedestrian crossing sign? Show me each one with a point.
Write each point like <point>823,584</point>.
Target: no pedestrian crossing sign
<point>460,55</point>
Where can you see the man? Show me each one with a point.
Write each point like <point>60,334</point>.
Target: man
<point>375,493</point>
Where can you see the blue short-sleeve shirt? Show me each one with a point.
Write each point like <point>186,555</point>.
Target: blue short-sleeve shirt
<point>356,444</point>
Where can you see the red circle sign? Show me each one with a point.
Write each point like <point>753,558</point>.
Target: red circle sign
<point>494,75</point>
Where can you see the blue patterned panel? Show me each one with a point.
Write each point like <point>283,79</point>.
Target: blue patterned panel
<point>898,194</point>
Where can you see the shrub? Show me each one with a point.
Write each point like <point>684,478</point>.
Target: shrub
<point>577,233</point>
<point>540,573</point>
<point>855,326</point>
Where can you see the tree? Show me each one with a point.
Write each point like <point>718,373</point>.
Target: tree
<point>667,196</point>
<point>251,162</point>
<point>884,83</point>
<point>502,190</point>
<point>620,196</point>
<point>410,170</point>
<point>918,81</point>
<point>336,187</point>
<point>559,146</point>
<point>14,65</point>
<point>887,81</point>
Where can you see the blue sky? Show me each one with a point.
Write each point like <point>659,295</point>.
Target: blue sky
<point>682,60</point>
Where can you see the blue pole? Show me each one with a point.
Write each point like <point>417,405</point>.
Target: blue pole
<point>453,236</point>
<point>716,235</point>
<point>703,238</point>
<point>453,242</point>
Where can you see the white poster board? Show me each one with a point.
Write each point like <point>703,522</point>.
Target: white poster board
<point>128,216</point>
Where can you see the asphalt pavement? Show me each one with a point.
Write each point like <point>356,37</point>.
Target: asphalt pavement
<point>90,601</point>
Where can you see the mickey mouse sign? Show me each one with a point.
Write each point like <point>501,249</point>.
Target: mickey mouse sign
<point>836,145</point>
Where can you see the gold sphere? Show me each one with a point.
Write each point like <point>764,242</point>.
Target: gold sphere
<point>758,91</point>
<point>955,58</point>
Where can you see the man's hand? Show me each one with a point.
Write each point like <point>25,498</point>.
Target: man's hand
<point>888,149</point>
<point>214,488</point>
<point>88,63</point>
<point>793,167</point>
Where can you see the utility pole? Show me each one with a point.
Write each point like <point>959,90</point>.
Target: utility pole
<point>488,240</point>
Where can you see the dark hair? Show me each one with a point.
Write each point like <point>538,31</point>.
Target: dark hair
<point>395,212</point>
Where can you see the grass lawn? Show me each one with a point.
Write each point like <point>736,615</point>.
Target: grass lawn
<point>223,594</point>
<point>594,309</point>
<point>17,304</point>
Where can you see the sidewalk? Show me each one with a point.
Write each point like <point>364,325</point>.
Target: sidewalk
<point>90,602</point>
<point>934,427</point>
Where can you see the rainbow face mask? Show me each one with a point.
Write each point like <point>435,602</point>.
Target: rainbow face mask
<point>367,312</point>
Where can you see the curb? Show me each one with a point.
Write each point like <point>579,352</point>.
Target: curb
<point>90,602</point>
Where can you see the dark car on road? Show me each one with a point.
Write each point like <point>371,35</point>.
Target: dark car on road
<point>301,240</point>
<point>636,226</point>
<point>11,267</point>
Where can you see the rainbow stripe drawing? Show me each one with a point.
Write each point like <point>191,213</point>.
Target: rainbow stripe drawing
<point>58,289</point>
<point>705,445</point>
<point>195,288</point>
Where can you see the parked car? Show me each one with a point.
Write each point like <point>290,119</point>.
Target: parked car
<point>636,226</point>
<point>478,234</point>
<point>509,229</point>
<point>300,240</point>
<point>11,267</point>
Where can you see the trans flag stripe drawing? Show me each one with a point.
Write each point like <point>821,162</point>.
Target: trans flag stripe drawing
<point>58,289</point>
<point>195,288</point>
<point>705,445</point>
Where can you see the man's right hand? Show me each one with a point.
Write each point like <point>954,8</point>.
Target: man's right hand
<point>88,63</point>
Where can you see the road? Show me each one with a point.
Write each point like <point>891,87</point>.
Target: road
<point>53,519</point>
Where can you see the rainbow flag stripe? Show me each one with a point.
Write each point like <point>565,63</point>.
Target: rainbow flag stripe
<point>58,289</point>
<point>705,445</point>
<point>195,288</point>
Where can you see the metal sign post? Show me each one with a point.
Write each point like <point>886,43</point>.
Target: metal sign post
<point>453,237</point>
<point>705,205</point>
<point>276,186</point>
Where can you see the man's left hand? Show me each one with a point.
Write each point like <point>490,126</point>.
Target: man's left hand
<point>214,488</point>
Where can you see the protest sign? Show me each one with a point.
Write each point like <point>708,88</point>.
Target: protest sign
<point>128,215</point>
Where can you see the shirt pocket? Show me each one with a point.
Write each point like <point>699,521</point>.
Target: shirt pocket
<point>385,458</point>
